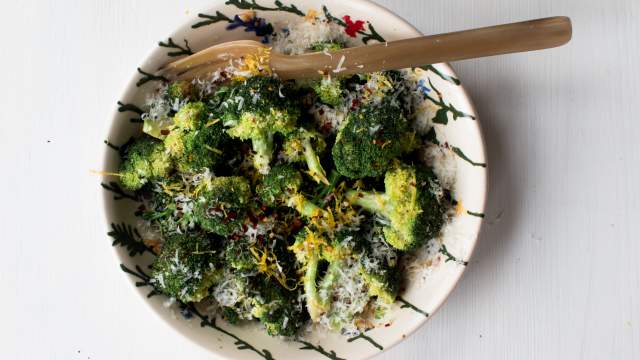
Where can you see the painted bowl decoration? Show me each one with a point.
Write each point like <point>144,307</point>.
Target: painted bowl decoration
<point>456,141</point>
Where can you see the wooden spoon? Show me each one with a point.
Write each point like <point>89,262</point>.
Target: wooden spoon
<point>494,40</point>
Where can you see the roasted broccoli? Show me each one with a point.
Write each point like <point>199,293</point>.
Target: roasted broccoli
<point>281,187</point>
<point>412,204</point>
<point>308,250</point>
<point>144,160</point>
<point>204,149</point>
<point>188,119</point>
<point>246,296</point>
<point>329,90</point>
<point>276,308</point>
<point>304,145</point>
<point>256,110</point>
<point>273,239</point>
<point>238,255</point>
<point>180,90</point>
<point>187,267</point>
<point>369,139</point>
<point>327,45</point>
<point>221,204</point>
<point>169,211</point>
<point>379,265</point>
<point>311,248</point>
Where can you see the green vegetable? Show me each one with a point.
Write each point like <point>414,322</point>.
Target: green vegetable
<point>187,267</point>
<point>222,204</point>
<point>308,252</point>
<point>329,90</point>
<point>180,90</point>
<point>238,255</point>
<point>281,187</point>
<point>276,308</point>
<point>327,45</point>
<point>303,146</point>
<point>256,110</point>
<point>203,148</point>
<point>311,247</point>
<point>379,266</point>
<point>411,205</point>
<point>370,138</point>
<point>188,119</point>
<point>144,160</point>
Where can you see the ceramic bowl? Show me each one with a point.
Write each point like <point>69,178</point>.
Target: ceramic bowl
<point>456,129</point>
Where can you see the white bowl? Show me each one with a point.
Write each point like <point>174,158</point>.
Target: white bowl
<point>423,295</point>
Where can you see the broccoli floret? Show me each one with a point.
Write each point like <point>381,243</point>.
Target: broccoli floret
<point>191,116</point>
<point>370,138</point>
<point>329,90</point>
<point>308,252</point>
<point>276,308</point>
<point>379,265</point>
<point>383,283</point>
<point>281,187</point>
<point>304,145</point>
<point>188,119</point>
<point>180,90</point>
<point>256,110</point>
<point>327,45</point>
<point>222,204</point>
<point>238,255</point>
<point>204,148</point>
<point>230,315</point>
<point>312,247</point>
<point>144,160</point>
<point>260,297</point>
<point>412,204</point>
<point>187,267</point>
<point>194,142</point>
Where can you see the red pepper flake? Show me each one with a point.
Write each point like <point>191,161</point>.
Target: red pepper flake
<point>296,225</point>
<point>253,220</point>
<point>387,325</point>
<point>355,103</point>
<point>232,215</point>
<point>164,132</point>
<point>352,27</point>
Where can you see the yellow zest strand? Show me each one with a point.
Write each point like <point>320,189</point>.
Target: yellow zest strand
<point>311,15</point>
<point>268,265</point>
<point>212,122</point>
<point>104,173</point>
<point>212,149</point>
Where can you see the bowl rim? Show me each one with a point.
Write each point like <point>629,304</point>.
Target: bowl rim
<point>130,87</point>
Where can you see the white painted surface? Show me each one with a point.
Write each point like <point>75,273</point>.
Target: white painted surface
<point>556,273</point>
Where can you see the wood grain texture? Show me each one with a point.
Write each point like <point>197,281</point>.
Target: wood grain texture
<point>556,274</point>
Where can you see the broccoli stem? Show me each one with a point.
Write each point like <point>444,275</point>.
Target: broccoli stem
<point>329,281</point>
<point>313,163</point>
<point>304,206</point>
<point>314,304</point>
<point>263,146</point>
<point>371,201</point>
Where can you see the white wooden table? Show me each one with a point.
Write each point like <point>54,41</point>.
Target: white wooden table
<point>556,274</point>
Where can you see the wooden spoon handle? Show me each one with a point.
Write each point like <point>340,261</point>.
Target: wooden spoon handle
<point>488,41</point>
